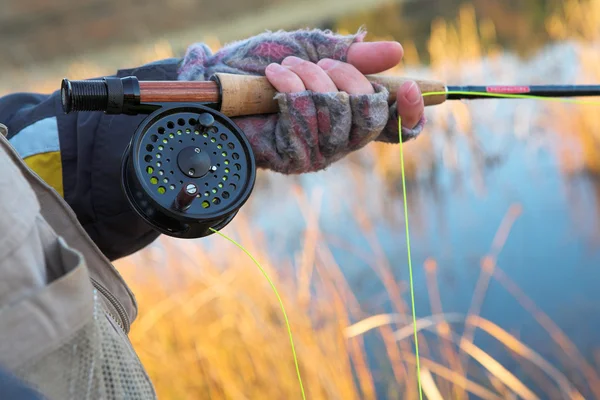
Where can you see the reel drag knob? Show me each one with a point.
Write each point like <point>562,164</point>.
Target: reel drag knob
<point>188,168</point>
<point>194,162</point>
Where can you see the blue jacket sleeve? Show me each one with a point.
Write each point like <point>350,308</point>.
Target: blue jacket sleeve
<point>13,388</point>
<point>79,154</point>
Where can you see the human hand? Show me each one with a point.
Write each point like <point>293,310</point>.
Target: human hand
<point>327,75</point>
<point>314,128</point>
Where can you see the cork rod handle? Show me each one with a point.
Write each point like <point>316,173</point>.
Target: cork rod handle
<point>249,95</point>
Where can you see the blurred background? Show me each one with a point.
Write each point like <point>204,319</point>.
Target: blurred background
<point>503,209</point>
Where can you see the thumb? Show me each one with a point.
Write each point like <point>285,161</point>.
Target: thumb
<point>316,44</point>
<point>254,54</point>
<point>374,57</point>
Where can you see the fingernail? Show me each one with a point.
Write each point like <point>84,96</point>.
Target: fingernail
<point>413,95</point>
<point>327,63</point>
<point>275,68</point>
<point>291,61</point>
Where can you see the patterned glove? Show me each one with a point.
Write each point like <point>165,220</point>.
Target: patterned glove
<point>311,130</point>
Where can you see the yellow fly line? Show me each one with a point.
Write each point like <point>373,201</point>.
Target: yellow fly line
<point>408,248</point>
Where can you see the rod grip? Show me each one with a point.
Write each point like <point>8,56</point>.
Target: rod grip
<point>250,94</point>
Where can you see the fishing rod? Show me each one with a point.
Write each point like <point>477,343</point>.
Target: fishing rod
<point>241,95</point>
<point>188,168</point>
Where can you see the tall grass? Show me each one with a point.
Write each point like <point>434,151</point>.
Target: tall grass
<point>210,327</point>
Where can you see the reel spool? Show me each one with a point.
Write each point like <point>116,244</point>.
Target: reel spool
<point>188,168</point>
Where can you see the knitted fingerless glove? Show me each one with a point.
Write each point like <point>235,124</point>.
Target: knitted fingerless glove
<point>311,130</point>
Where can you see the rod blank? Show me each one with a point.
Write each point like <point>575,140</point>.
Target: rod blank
<point>532,90</point>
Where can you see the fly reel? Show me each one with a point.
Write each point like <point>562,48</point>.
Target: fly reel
<point>188,168</point>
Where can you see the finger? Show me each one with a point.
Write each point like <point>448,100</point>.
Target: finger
<point>346,77</point>
<point>284,80</point>
<point>313,76</point>
<point>375,57</point>
<point>410,104</point>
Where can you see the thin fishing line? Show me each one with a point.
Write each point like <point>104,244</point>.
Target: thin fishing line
<point>280,303</point>
<point>410,272</point>
<point>515,96</point>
